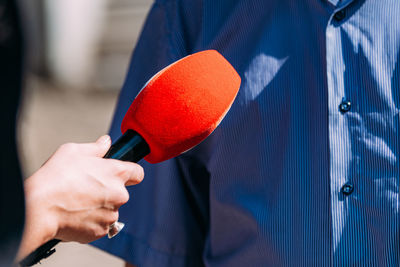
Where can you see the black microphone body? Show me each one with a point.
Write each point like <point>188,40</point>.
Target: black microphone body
<point>129,147</point>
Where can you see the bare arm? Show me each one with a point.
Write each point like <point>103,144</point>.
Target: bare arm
<point>76,194</point>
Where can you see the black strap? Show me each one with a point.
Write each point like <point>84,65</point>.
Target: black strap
<point>41,253</point>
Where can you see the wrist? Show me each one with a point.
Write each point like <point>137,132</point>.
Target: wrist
<point>41,222</point>
<point>40,212</point>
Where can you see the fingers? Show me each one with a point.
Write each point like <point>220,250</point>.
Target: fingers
<point>106,219</point>
<point>89,189</point>
<point>116,197</point>
<point>92,225</point>
<point>137,175</point>
<point>125,174</point>
<point>105,139</point>
<point>98,148</point>
<point>128,172</point>
<point>101,146</point>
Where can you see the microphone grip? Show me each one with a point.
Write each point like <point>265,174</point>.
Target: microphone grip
<point>129,147</point>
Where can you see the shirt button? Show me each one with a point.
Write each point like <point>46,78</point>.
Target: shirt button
<point>347,189</point>
<point>340,15</point>
<point>345,106</point>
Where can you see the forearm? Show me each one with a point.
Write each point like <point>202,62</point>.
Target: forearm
<point>40,225</point>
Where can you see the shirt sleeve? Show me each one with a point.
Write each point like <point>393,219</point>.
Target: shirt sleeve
<point>166,219</point>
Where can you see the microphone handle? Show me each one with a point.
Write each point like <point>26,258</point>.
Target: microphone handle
<point>129,147</point>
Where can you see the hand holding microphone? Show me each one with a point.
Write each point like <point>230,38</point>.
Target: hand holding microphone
<point>176,110</point>
<point>76,194</point>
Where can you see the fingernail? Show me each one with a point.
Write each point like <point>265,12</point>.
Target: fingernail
<point>105,139</point>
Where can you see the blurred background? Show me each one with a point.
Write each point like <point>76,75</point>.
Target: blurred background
<point>78,52</point>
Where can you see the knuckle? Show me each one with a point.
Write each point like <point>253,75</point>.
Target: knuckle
<point>139,172</point>
<point>135,173</point>
<point>68,147</point>
<point>129,171</point>
<point>118,196</point>
<point>115,167</point>
<point>113,217</point>
<point>123,197</point>
<point>124,173</point>
<point>100,231</point>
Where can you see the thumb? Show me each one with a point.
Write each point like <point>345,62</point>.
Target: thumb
<point>98,148</point>
<point>103,144</point>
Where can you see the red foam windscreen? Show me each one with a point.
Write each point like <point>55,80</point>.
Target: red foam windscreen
<point>183,104</point>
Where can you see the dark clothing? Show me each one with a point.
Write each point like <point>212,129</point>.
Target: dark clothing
<point>11,190</point>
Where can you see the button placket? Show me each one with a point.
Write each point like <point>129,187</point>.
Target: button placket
<point>339,139</point>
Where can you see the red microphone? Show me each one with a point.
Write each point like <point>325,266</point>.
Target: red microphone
<point>176,109</point>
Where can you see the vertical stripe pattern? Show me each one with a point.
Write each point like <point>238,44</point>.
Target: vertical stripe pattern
<point>304,170</point>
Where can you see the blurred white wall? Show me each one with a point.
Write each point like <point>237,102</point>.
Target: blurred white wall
<point>90,41</point>
<point>124,22</point>
<point>74,28</point>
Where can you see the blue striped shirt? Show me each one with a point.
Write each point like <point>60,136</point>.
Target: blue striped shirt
<point>304,170</point>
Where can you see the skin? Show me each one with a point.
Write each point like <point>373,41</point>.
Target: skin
<point>75,195</point>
